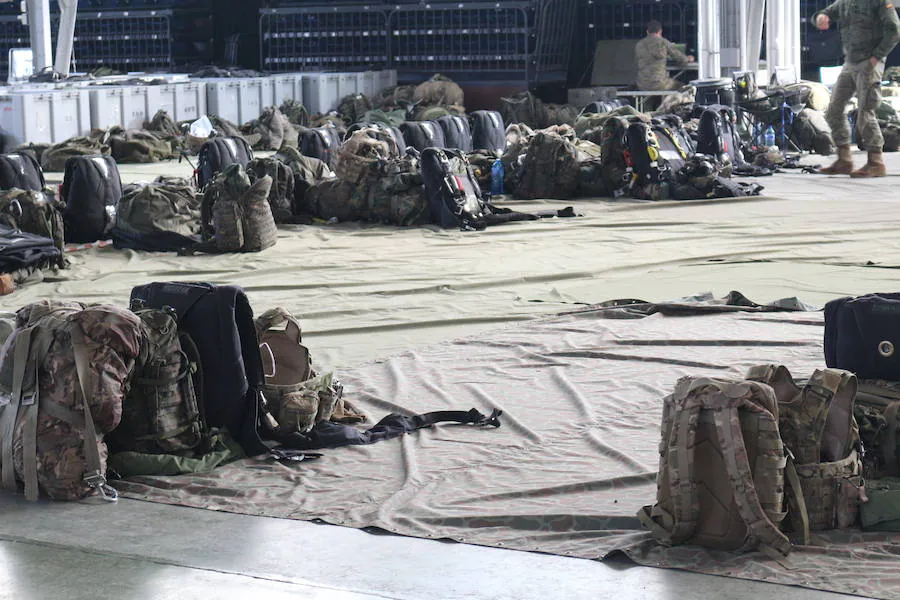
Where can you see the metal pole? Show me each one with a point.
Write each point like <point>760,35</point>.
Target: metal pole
<point>66,37</point>
<point>39,32</point>
<point>756,17</point>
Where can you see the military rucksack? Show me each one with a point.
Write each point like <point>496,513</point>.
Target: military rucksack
<point>423,134</point>
<point>308,171</point>
<point>337,199</point>
<point>298,397</point>
<point>650,172</point>
<point>295,112</point>
<point>818,428</point>
<point>722,467</point>
<point>456,132</point>
<point>65,370</point>
<point>57,156</point>
<point>281,194</point>
<point>162,216</point>
<point>22,171</point>
<point>549,168</point>
<point>161,410</point>
<point>235,214</point>
<point>396,195</point>
<point>322,143</point>
<point>273,129</point>
<point>488,131</point>
<point>613,146</point>
<point>138,147</point>
<point>361,151</point>
<point>454,196</point>
<point>394,132</point>
<point>37,212</point>
<point>353,107</point>
<point>218,153</point>
<point>524,108</point>
<point>877,412</point>
<point>91,190</point>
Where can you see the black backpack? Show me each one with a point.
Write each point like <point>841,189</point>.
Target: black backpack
<point>649,170</point>
<point>20,250</point>
<point>218,153</point>
<point>717,135</point>
<point>676,128</point>
<point>488,131</point>
<point>21,170</point>
<point>91,190</point>
<point>670,146</point>
<point>423,134</point>
<point>219,320</point>
<point>456,132</point>
<point>454,195</point>
<point>322,143</point>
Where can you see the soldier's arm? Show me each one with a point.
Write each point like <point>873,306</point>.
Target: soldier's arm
<point>677,55</point>
<point>830,11</point>
<point>891,30</point>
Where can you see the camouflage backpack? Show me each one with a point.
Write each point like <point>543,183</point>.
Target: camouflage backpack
<point>235,214</point>
<point>295,112</point>
<point>612,154</point>
<point>361,152</point>
<point>281,195</point>
<point>39,213</point>
<point>337,199</point>
<point>161,411</point>
<point>271,130</point>
<point>549,168</point>
<point>298,398</point>
<point>721,470</point>
<point>396,195</point>
<point>353,107</point>
<point>64,371</point>
<point>308,171</point>
<point>818,428</point>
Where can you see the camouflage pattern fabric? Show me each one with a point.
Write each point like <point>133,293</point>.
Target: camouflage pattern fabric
<point>651,56</point>
<point>393,118</point>
<point>680,103</point>
<point>225,128</point>
<point>612,153</point>
<point>869,28</point>
<point>877,411</point>
<point>549,168</point>
<point>561,114</point>
<point>863,80</point>
<point>160,411</point>
<point>810,131</point>
<point>438,91</point>
<point>295,112</point>
<point>54,158</point>
<point>361,152</point>
<point>39,213</point>
<point>57,346</point>
<point>237,216</point>
<point>429,113</point>
<point>281,195</point>
<point>353,107</point>
<point>137,146</point>
<point>396,194</point>
<point>162,124</point>
<point>307,171</point>
<point>273,130</point>
<point>337,199</point>
<point>818,427</point>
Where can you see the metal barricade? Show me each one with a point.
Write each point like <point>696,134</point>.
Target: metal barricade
<point>334,37</point>
<point>554,23</point>
<point>124,40</point>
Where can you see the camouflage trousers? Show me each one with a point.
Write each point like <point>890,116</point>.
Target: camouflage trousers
<point>864,80</point>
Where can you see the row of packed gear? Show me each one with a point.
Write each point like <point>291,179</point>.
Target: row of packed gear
<point>183,381</point>
<point>746,463</point>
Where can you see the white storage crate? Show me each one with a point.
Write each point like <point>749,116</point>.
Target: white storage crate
<point>347,84</point>
<point>284,88</point>
<point>365,83</point>
<point>183,101</point>
<point>223,98</point>
<point>27,115</point>
<point>70,112</point>
<point>254,94</point>
<point>385,79</point>
<point>126,106</point>
<point>320,92</point>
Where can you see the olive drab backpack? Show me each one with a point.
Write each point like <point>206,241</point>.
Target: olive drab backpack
<point>281,194</point>
<point>161,411</point>
<point>297,396</point>
<point>37,212</point>
<point>549,168</point>
<point>818,428</point>
<point>218,153</point>
<point>235,214</point>
<point>65,370</point>
<point>91,190</point>
<point>722,468</point>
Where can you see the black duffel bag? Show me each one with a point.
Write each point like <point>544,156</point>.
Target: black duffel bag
<point>862,335</point>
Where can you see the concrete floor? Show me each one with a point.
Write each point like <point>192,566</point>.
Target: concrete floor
<point>149,551</point>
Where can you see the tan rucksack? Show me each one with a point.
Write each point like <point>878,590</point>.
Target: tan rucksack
<point>818,427</point>
<point>722,468</point>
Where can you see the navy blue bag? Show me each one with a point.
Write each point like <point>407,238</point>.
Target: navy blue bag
<point>862,335</point>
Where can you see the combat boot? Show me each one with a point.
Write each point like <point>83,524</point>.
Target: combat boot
<point>874,167</point>
<point>843,165</point>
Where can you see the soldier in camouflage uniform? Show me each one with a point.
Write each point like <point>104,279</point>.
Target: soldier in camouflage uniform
<point>870,30</point>
<point>651,55</point>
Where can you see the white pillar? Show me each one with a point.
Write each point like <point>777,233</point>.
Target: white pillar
<point>783,36</point>
<point>66,36</point>
<point>756,17</point>
<point>39,31</point>
<point>709,42</point>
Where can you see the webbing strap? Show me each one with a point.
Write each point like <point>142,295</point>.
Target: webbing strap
<point>744,492</point>
<point>680,453</point>
<point>797,492</point>
<point>29,441</point>
<point>10,413</point>
<point>94,476</point>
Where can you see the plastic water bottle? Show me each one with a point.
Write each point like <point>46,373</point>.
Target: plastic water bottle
<point>769,136</point>
<point>497,174</point>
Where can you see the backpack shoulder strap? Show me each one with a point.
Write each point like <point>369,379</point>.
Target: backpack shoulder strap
<point>9,414</point>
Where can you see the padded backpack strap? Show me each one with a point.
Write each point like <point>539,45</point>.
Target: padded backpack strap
<point>9,414</point>
<point>94,476</point>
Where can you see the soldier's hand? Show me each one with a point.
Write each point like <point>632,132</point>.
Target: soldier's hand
<point>690,58</point>
<point>874,61</point>
<point>823,22</point>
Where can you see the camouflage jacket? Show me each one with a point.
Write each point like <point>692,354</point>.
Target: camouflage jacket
<point>868,27</point>
<point>651,55</point>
